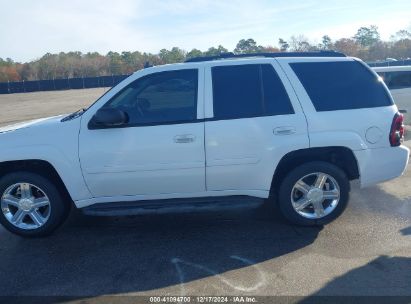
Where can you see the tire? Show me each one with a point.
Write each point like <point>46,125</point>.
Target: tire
<point>31,221</point>
<point>335,180</point>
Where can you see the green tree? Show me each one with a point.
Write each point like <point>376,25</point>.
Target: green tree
<point>115,63</point>
<point>174,55</point>
<point>212,51</point>
<point>47,66</point>
<point>367,36</point>
<point>246,46</point>
<point>366,44</point>
<point>194,53</point>
<point>326,43</point>
<point>284,46</point>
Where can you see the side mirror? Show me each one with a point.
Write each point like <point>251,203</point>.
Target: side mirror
<point>108,117</point>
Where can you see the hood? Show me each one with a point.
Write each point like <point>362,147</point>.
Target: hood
<point>31,123</point>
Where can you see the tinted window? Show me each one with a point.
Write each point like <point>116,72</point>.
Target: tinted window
<point>276,98</point>
<point>165,97</point>
<point>397,80</point>
<point>237,91</point>
<point>341,85</point>
<point>252,90</point>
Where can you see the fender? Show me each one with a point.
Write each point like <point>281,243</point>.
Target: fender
<point>68,170</point>
<point>347,139</point>
<point>52,141</point>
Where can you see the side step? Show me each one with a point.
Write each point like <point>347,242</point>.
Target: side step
<point>172,206</point>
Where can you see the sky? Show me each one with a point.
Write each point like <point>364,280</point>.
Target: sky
<point>31,28</point>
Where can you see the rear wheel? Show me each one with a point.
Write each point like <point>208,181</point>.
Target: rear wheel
<point>31,205</point>
<point>314,193</point>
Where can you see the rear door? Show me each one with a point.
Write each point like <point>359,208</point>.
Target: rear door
<point>253,119</point>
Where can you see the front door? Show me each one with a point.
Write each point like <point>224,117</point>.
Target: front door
<point>159,151</point>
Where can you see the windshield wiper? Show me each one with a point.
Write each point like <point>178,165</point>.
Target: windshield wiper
<point>74,115</point>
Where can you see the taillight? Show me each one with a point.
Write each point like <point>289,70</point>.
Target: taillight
<point>397,130</point>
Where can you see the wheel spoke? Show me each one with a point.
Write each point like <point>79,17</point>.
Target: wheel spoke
<point>320,181</point>
<point>41,202</point>
<point>25,190</point>
<point>318,209</point>
<point>37,218</point>
<point>25,205</point>
<point>11,200</point>
<point>302,186</point>
<point>301,204</point>
<point>18,217</point>
<point>332,194</point>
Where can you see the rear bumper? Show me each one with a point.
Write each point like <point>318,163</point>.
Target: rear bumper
<point>382,164</point>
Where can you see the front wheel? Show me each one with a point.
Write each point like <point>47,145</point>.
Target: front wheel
<point>314,193</point>
<point>31,205</point>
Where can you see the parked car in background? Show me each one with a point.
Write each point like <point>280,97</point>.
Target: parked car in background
<point>293,128</point>
<point>398,80</point>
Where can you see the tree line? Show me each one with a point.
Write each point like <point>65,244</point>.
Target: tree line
<point>365,44</point>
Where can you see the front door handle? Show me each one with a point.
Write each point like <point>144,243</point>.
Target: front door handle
<point>284,130</point>
<point>184,139</point>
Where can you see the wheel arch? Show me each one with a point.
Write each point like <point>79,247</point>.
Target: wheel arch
<point>342,157</point>
<point>38,166</point>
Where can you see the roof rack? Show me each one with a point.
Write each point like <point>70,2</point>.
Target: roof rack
<point>269,55</point>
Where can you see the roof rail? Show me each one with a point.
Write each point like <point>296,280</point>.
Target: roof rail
<point>269,55</point>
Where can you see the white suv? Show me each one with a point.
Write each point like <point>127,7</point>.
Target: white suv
<point>293,127</point>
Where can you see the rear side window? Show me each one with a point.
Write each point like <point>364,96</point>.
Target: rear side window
<point>252,90</point>
<point>397,80</point>
<point>341,85</point>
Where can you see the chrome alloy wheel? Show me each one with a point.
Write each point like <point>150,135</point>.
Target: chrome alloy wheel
<point>315,195</point>
<point>25,206</point>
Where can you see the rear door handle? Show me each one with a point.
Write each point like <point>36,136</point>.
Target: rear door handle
<point>284,130</point>
<point>184,139</point>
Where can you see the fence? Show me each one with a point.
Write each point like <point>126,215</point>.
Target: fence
<point>389,63</point>
<point>60,84</point>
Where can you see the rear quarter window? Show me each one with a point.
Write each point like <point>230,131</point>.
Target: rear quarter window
<point>343,85</point>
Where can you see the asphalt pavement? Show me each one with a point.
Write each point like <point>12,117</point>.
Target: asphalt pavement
<point>367,251</point>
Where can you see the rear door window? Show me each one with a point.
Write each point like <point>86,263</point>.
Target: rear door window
<point>252,90</point>
<point>341,85</point>
<point>237,91</point>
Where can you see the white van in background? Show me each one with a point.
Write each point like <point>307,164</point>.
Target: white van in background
<point>398,80</point>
